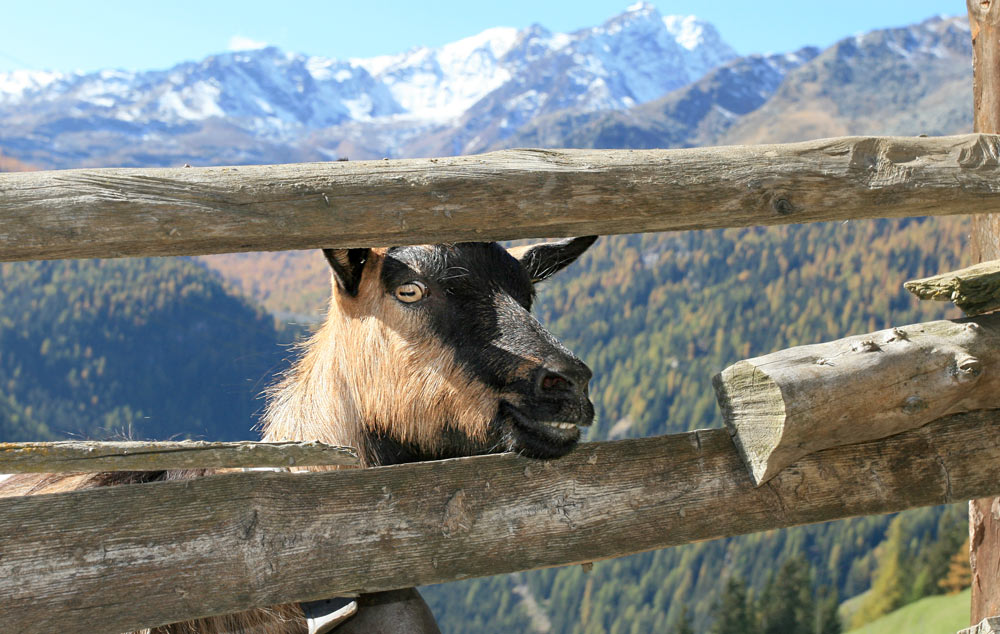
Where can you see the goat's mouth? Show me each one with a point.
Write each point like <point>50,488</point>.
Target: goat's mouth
<point>540,438</point>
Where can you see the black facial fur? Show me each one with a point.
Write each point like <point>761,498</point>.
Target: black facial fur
<point>463,282</point>
<point>478,304</point>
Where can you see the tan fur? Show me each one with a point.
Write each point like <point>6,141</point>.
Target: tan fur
<point>375,362</point>
<point>43,483</point>
<point>282,619</point>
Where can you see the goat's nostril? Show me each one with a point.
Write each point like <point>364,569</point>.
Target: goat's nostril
<point>559,381</point>
<point>554,382</point>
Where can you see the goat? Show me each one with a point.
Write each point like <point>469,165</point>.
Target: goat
<point>427,352</point>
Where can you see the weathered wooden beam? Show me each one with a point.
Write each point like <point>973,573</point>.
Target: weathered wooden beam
<point>501,195</point>
<point>974,289</point>
<point>83,456</point>
<point>790,403</point>
<point>984,515</point>
<point>111,560</point>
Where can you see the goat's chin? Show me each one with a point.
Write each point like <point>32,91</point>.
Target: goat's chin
<point>538,438</point>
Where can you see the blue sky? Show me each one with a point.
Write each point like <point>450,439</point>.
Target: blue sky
<point>57,35</point>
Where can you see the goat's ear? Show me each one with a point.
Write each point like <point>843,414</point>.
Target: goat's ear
<point>542,260</point>
<point>347,265</point>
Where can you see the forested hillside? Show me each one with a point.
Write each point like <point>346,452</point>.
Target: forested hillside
<point>151,348</point>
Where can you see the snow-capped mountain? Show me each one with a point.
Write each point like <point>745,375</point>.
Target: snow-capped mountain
<point>473,91</point>
<point>270,91</point>
<point>909,80</point>
<point>441,83</point>
<point>632,58</point>
<point>638,80</point>
<point>696,114</point>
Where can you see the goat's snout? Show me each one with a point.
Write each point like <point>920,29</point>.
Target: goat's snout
<point>562,392</point>
<point>570,378</point>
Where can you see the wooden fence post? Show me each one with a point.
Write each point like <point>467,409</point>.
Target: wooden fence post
<point>984,514</point>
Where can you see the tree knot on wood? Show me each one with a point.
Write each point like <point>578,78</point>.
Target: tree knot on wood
<point>456,517</point>
<point>868,345</point>
<point>782,207</point>
<point>881,162</point>
<point>982,152</point>
<point>968,369</point>
<point>249,527</point>
<point>914,405</point>
<point>897,334</point>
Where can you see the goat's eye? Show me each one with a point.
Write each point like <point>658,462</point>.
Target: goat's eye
<point>411,292</point>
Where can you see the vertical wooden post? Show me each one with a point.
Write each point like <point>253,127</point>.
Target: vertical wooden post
<point>984,514</point>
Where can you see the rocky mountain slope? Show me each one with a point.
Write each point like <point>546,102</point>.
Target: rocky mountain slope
<point>911,80</point>
<point>907,81</point>
<point>639,80</point>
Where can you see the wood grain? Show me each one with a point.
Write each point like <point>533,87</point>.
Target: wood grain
<point>501,195</point>
<point>984,514</point>
<point>790,403</point>
<point>122,558</point>
<point>975,289</point>
<point>83,456</point>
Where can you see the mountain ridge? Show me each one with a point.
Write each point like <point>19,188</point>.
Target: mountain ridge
<point>262,100</point>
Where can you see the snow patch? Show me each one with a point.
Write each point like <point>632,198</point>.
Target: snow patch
<point>195,102</point>
<point>16,83</point>
<point>243,43</point>
<point>639,7</point>
<point>687,30</point>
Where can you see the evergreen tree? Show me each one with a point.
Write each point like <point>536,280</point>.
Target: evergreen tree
<point>888,586</point>
<point>734,614</point>
<point>931,559</point>
<point>683,625</point>
<point>959,576</point>
<point>786,605</point>
<point>827,614</point>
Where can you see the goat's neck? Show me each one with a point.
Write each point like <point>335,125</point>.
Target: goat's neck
<point>315,400</point>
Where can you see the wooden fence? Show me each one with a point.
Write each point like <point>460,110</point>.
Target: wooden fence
<point>109,560</point>
<point>134,556</point>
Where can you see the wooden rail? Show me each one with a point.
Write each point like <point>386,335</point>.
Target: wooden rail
<point>502,195</point>
<point>80,456</point>
<point>984,514</point>
<point>122,558</point>
<point>784,405</point>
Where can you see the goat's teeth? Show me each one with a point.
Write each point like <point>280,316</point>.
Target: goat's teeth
<point>562,425</point>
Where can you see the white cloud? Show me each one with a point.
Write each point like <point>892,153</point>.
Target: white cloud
<point>241,43</point>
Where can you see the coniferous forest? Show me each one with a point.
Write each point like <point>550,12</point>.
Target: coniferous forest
<point>153,348</point>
